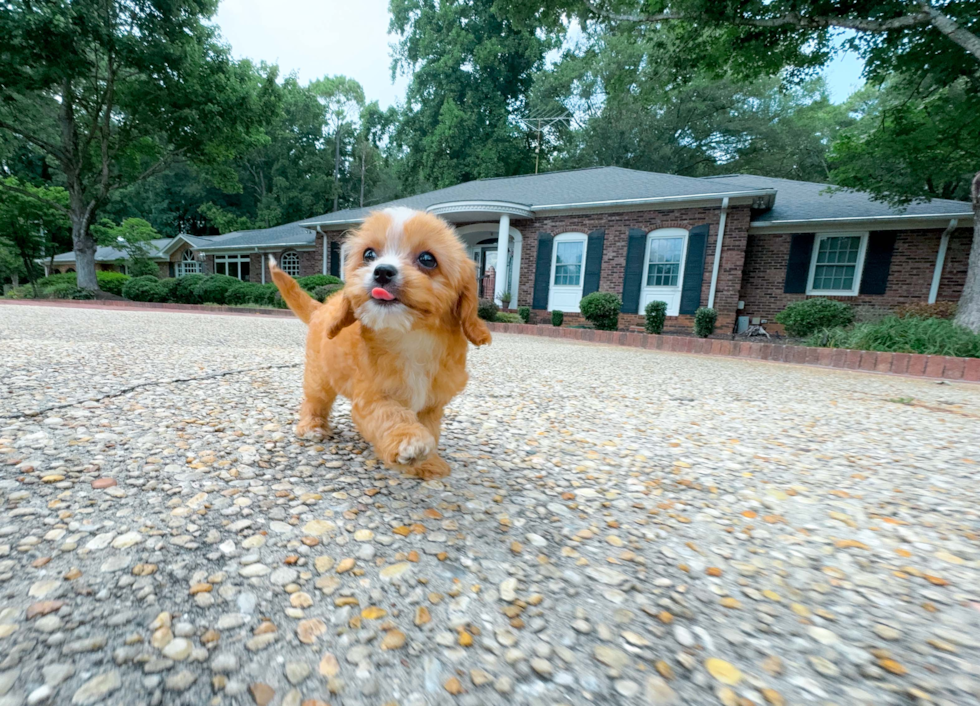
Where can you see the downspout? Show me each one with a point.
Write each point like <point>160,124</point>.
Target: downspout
<point>937,274</point>
<point>717,263</point>
<point>261,264</point>
<point>319,232</point>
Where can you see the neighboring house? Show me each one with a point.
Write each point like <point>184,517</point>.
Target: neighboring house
<point>745,245</point>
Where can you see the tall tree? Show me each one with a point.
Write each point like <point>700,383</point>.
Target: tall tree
<point>935,41</point>
<point>114,91</point>
<point>32,223</point>
<point>343,99</point>
<point>472,69</point>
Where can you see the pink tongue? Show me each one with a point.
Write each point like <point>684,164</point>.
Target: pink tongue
<point>379,293</point>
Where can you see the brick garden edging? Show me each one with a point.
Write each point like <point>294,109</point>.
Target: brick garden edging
<point>912,364</point>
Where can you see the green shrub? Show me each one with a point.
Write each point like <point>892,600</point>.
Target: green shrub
<point>112,282</point>
<point>557,317</point>
<point>601,309</point>
<point>505,317</point>
<point>704,322</point>
<point>142,267</point>
<point>939,310</point>
<point>24,292</point>
<point>313,281</point>
<point>186,290</point>
<point>246,293</point>
<point>322,292</point>
<point>213,288</point>
<point>52,280</point>
<point>656,314</point>
<point>802,318</point>
<point>909,335</point>
<point>144,289</point>
<point>170,286</point>
<point>487,310</point>
<point>525,313</point>
<point>66,290</point>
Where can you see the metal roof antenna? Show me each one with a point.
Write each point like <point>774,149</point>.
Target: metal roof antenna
<point>540,120</point>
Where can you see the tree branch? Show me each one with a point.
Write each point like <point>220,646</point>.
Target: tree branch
<point>48,147</point>
<point>29,194</point>
<point>790,19</point>
<point>948,27</point>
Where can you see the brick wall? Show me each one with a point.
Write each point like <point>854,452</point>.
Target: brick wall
<point>909,277</point>
<point>309,263</point>
<point>617,226</point>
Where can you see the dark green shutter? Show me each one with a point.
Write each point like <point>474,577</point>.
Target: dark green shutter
<point>542,271</point>
<point>697,247</point>
<point>593,262</point>
<point>877,263</point>
<point>798,265</point>
<point>633,271</point>
<point>172,269</point>
<point>335,258</point>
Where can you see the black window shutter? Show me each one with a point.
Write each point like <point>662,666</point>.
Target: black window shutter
<point>877,263</point>
<point>798,265</point>
<point>335,258</point>
<point>172,269</point>
<point>542,271</point>
<point>593,262</point>
<point>697,246</point>
<point>633,271</point>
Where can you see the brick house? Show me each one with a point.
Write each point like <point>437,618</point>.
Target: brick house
<point>745,245</point>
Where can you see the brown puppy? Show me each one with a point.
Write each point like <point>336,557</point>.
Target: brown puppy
<point>394,340</point>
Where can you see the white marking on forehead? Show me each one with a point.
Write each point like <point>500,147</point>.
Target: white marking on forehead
<point>399,215</point>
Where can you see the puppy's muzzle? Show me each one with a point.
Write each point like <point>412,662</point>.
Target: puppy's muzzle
<point>383,274</point>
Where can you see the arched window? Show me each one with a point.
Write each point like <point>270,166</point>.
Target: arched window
<point>188,264</point>
<point>663,271</point>
<point>290,264</point>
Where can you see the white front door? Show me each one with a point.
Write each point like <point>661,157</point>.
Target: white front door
<point>567,272</point>
<point>663,269</point>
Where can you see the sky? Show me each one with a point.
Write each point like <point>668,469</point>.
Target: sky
<point>316,38</point>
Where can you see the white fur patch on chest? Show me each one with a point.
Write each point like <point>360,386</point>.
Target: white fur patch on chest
<point>419,356</point>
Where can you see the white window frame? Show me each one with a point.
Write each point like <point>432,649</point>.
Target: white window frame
<point>663,234</point>
<point>571,237</point>
<point>188,264</point>
<point>227,259</point>
<point>858,266</point>
<point>293,257</point>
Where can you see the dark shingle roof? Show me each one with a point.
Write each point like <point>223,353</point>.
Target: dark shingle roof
<point>287,234</point>
<point>110,254</point>
<point>806,200</point>
<point>552,188</point>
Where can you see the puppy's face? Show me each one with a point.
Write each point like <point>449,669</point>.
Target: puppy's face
<point>407,269</point>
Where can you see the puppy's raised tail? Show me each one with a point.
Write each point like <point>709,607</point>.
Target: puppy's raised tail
<point>302,304</point>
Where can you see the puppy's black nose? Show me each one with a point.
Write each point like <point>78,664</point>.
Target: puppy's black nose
<point>383,274</point>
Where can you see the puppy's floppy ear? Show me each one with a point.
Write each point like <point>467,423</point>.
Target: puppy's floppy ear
<point>473,326</point>
<point>341,317</point>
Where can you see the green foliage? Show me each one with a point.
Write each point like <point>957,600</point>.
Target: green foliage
<point>213,288</point>
<point>144,289</point>
<point>656,314</point>
<point>186,290</point>
<point>921,310</point>
<point>802,318</point>
<point>472,69</point>
<point>505,317</point>
<point>111,282</point>
<point>313,281</point>
<point>557,317</point>
<point>142,267</point>
<point>66,290</point>
<point>33,225</point>
<point>704,322</point>
<point>322,292</point>
<point>170,286</point>
<point>525,313</point>
<point>487,310</point>
<point>601,309</point>
<point>908,335</point>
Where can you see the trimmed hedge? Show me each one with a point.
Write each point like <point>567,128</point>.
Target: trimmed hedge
<point>111,282</point>
<point>525,313</point>
<point>704,322</point>
<point>939,310</point>
<point>505,317</point>
<point>313,281</point>
<point>601,309</point>
<point>656,314</point>
<point>557,318</point>
<point>487,310</point>
<point>186,290</point>
<point>324,291</point>
<point>144,289</point>
<point>214,288</point>
<point>802,318</point>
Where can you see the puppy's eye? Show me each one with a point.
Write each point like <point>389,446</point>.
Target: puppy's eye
<point>427,260</point>
<point>370,255</point>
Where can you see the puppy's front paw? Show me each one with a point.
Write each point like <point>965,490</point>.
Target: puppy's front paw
<point>313,429</point>
<point>415,448</point>
<point>431,468</point>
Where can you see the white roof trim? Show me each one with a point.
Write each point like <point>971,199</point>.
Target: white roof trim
<point>892,222</point>
<point>170,246</point>
<point>769,193</point>
<point>480,206</point>
<point>305,245</point>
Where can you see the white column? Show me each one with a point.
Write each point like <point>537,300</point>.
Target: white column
<point>937,273</point>
<point>503,236</point>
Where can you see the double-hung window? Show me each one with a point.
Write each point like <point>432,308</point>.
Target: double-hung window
<point>836,264</point>
<point>237,266</point>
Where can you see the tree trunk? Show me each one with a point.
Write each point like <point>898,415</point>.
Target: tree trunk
<point>85,247</point>
<point>336,168</point>
<point>968,310</point>
<point>29,267</point>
